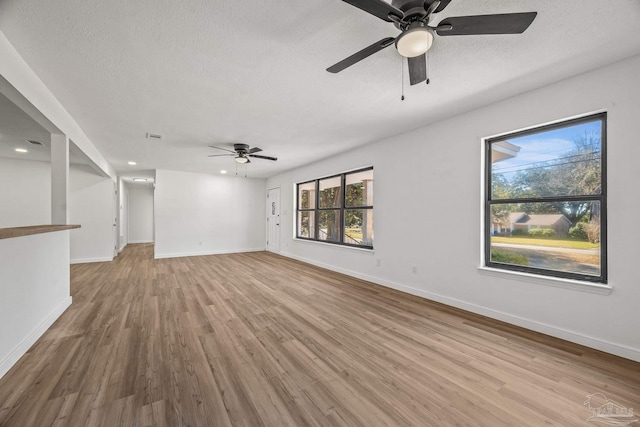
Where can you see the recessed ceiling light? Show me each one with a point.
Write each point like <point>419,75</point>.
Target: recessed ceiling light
<point>21,150</point>
<point>223,172</point>
<point>132,163</point>
<point>140,179</point>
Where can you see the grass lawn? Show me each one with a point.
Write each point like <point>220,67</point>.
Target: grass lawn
<point>557,243</point>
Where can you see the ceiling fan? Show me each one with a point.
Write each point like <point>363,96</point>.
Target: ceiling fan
<point>412,18</point>
<point>242,152</point>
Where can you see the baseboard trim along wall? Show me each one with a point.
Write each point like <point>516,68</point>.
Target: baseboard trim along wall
<point>585,340</point>
<point>15,355</point>
<point>88,260</point>
<point>222,252</point>
<point>140,241</point>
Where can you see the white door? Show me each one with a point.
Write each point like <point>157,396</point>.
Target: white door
<point>273,220</point>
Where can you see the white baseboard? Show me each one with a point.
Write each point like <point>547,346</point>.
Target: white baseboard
<point>88,260</point>
<point>585,340</point>
<point>140,241</point>
<point>30,339</point>
<point>222,252</point>
<point>122,248</point>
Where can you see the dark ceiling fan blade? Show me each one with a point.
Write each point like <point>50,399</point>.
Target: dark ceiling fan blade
<point>417,69</point>
<point>255,150</point>
<point>359,56</point>
<point>508,23</point>
<point>219,155</point>
<point>441,6</point>
<point>377,8</point>
<point>220,148</point>
<point>258,156</point>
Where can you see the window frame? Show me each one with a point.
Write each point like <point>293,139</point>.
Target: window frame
<point>317,210</point>
<point>601,198</point>
<point>312,210</point>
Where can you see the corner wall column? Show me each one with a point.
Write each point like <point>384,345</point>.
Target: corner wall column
<point>59,179</point>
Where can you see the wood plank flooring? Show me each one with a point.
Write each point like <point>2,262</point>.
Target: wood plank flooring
<point>255,339</point>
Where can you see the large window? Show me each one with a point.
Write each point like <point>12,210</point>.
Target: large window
<point>545,200</point>
<point>337,209</point>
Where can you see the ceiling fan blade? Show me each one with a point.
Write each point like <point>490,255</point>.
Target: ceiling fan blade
<point>258,156</point>
<point>224,149</point>
<point>359,56</point>
<point>508,23</point>
<point>417,69</point>
<point>441,6</point>
<point>255,150</point>
<point>219,155</point>
<point>377,8</point>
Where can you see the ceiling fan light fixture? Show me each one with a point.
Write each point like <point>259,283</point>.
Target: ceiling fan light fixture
<point>241,159</point>
<point>415,41</point>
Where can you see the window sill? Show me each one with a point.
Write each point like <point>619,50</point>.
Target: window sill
<point>556,282</point>
<point>349,248</point>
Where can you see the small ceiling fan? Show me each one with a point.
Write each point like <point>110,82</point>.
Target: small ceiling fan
<point>242,152</point>
<point>412,18</point>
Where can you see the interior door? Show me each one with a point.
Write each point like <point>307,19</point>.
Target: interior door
<point>273,220</point>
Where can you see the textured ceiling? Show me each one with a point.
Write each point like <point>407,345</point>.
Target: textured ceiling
<point>205,72</point>
<point>17,129</point>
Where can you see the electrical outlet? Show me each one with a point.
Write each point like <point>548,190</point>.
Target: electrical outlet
<point>414,269</point>
<point>378,262</point>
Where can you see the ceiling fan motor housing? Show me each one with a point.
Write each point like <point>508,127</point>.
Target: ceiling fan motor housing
<point>413,10</point>
<point>241,148</point>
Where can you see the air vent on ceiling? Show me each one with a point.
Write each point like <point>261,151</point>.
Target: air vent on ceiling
<point>34,142</point>
<point>154,136</point>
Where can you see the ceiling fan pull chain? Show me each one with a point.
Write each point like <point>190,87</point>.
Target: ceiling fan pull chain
<point>402,74</point>
<point>428,68</point>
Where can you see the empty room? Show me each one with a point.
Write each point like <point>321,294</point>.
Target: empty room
<point>319,213</point>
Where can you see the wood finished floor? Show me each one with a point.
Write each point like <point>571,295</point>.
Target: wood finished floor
<point>257,339</point>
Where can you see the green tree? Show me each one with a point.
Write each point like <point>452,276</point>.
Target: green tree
<point>353,196</point>
<point>576,173</point>
<point>330,197</point>
<point>500,189</point>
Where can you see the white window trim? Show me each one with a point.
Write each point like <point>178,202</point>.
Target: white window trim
<point>556,282</point>
<point>539,279</point>
<point>334,245</point>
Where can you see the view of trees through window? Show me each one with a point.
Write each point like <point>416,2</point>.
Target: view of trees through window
<point>546,200</point>
<point>337,209</point>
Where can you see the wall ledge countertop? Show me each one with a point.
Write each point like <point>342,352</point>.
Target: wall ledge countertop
<point>9,233</point>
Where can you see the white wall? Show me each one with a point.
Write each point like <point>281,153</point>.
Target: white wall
<point>90,206</point>
<point>34,290</point>
<point>435,192</point>
<point>200,214</point>
<point>25,193</point>
<point>140,214</point>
